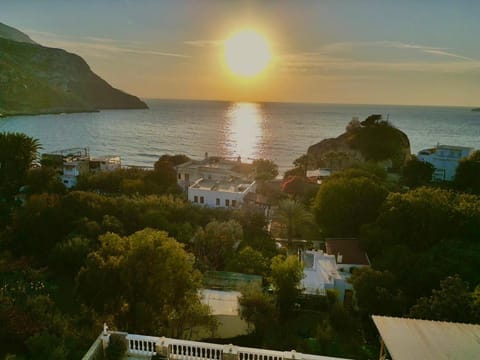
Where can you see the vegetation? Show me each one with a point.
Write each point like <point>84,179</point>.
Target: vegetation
<point>348,200</point>
<point>417,173</point>
<point>378,140</point>
<point>128,249</point>
<point>467,177</point>
<point>265,169</point>
<point>117,347</point>
<point>292,214</point>
<point>17,153</point>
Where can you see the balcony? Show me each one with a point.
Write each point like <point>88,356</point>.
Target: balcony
<point>144,347</point>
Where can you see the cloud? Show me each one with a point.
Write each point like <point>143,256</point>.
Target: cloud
<point>318,63</point>
<point>97,44</point>
<point>449,54</point>
<point>340,56</point>
<point>351,46</point>
<point>204,43</point>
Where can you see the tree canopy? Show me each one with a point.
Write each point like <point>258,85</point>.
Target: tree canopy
<point>265,169</point>
<point>287,272</point>
<point>343,204</point>
<point>145,281</point>
<point>467,175</point>
<point>17,153</point>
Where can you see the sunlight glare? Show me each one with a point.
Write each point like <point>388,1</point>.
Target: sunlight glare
<point>247,53</point>
<point>245,130</point>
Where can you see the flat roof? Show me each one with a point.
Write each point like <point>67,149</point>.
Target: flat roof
<point>234,185</point>
<point>412,339</point>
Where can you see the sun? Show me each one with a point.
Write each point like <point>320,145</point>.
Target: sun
<point>247,53</point>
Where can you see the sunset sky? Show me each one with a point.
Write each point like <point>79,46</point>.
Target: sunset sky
<point>339,51</point>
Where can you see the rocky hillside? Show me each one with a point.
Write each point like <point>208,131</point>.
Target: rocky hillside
<point>36,80</point>
<point>371,140</point>
<point>10,33</point>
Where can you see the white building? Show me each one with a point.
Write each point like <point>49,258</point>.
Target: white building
<point>331,270</point>
<point>211,168</point>
<point>445,159</point>
<point>73,167</point>
<point>72,163</point>
<point>321,274</point>
<point>217,193</point>
<point>105,163</point>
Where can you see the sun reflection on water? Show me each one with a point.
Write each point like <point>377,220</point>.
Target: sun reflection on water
<point>244,130</point>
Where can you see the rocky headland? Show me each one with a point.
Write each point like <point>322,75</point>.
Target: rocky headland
<point>371,140</point>
<point>37,80</point>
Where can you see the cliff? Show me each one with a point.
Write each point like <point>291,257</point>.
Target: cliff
<point>35,79</point>
<point>371,140</point>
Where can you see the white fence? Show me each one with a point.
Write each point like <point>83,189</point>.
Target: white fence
<point>175,349</point>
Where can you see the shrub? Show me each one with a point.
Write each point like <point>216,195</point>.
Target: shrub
<point>116,348</point>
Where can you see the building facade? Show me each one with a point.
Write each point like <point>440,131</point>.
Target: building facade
<point>445,159</point>
<point>228,194</point>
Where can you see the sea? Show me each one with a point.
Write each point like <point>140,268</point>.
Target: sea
<point>278,131</point>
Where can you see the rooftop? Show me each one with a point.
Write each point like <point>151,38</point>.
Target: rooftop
<point>349,249</point>
<point>412,339</point>
<point>233,185</point>
<point>320,269</point>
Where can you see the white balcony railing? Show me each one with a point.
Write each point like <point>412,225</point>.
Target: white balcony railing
<point>175,349</point>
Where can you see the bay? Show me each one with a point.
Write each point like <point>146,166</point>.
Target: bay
<point>278,131</point>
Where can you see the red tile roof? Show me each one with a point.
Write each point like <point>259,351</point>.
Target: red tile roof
<point>350,250</point>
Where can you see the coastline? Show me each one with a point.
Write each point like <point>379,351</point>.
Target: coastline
<point>63,111</point>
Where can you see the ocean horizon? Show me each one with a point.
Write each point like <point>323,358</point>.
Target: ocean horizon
<point>275,130</point>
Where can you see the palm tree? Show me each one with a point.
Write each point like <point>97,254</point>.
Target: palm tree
<point>17,153</point>
<point>292,214</point>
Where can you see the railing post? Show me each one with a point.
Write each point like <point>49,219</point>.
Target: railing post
<point>105,337</point>
<point>161,347</point>
<point>230,352</point>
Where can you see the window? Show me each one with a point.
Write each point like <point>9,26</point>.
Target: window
<point>234,203</point>
<point>179,176</point>
<point>227,202</point>
<point>218,202</point>
<point>202,199</point>
<point>195,199</point>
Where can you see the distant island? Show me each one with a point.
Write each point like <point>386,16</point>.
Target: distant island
<point>39,80</point>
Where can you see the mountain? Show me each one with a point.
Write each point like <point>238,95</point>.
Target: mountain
<point>10,33</point>
<point>37,80</point>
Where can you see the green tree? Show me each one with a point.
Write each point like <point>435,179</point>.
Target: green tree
<point>145,281</point>
<point>265,169</point>
<point>452,302</point>
<point>293,215</point>
<point>215,244</point>
<point>68,257</point>
<point>162,179</point>
<point>248,261</point>
<point>417,173</point>
<point>378,140</point>
<point>376,292</point>
<point>44,179</point>
<point>175,160</point>
<point>343,205</point>
<point>305,162</point>
<point>467,176</point>
<point>257,308</point>
<point>17,153</point>
<point>117,347</point>
<point>286,274</point>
